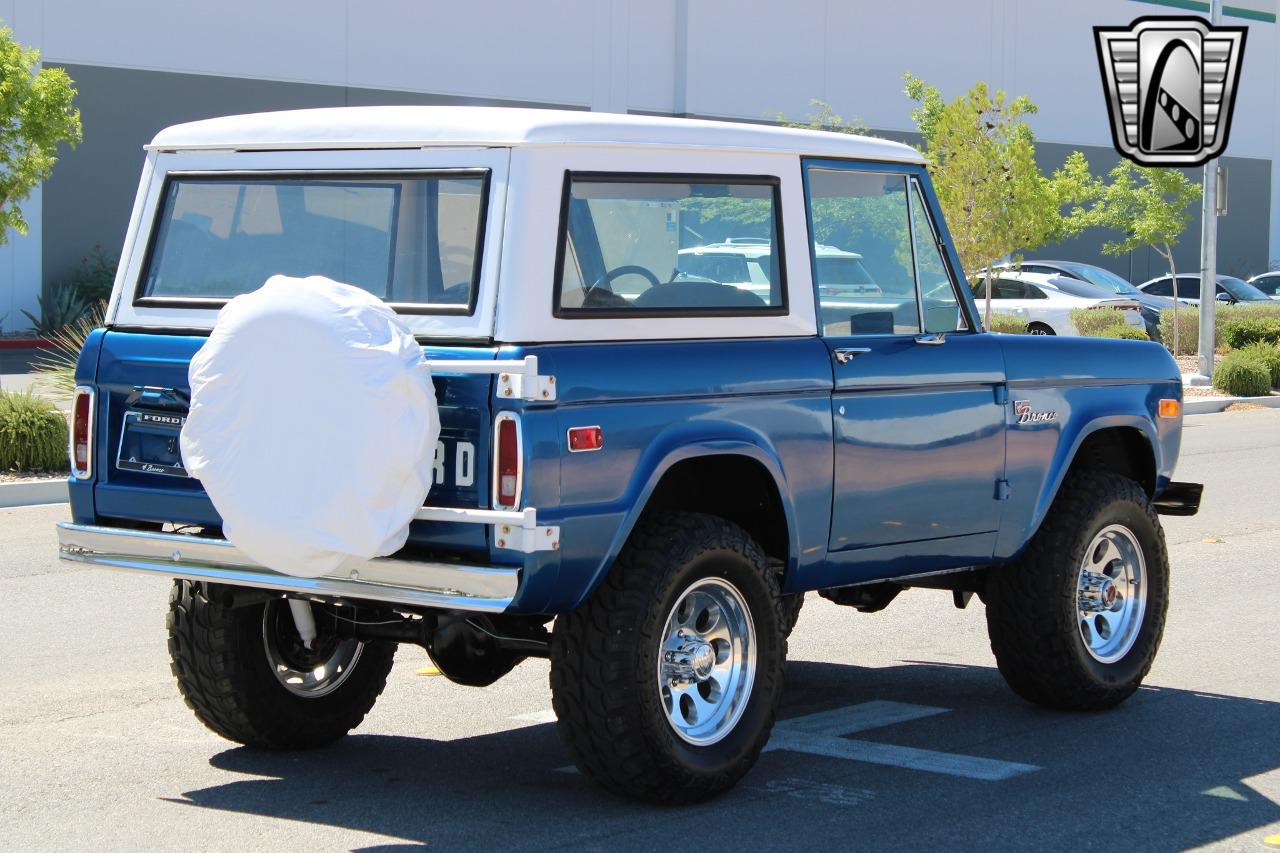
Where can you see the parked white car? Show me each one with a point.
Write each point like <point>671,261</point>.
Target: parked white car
<point>1045,302</point>
<point>1231,290</point>
<point>1268,283</point>
<point>744,263</point>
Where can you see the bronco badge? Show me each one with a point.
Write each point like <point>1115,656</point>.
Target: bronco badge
<point>1022,408</point>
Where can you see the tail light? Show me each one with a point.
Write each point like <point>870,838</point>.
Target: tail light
<point>81,450</point>
<point>507,468</point>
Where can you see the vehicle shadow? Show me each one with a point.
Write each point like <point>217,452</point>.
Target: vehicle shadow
<point>1167,770</point>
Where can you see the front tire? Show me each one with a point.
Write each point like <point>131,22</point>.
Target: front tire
<point>1076,622</point>
<point>247,676</point>
<point>667,680</point>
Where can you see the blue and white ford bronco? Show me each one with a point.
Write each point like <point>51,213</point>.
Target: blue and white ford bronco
<point>686,371</point>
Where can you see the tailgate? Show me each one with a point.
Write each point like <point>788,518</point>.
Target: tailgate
<point>142,398</point>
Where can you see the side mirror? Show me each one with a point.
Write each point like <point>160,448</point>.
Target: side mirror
<point>1225,297</point>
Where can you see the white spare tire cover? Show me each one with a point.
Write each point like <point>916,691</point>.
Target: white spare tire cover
<point>313,425</point>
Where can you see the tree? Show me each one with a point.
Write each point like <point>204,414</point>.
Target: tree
<point>1149,207</point>
<point>982,160</point>
<point>36,113</point>
<point>825,118</point>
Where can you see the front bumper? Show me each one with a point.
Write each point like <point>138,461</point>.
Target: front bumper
<point>450,586</point>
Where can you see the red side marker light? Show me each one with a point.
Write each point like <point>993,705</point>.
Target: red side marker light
<point>585,438</point>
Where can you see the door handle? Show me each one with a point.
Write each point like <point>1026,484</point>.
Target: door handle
<point>844,355</point>
<point>932,340</point>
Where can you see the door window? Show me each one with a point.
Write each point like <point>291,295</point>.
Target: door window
<point>878,264</point>
<point>863,269</point>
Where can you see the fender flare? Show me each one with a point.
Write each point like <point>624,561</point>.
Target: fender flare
<point>1067,451</point>
<point>690,441</point>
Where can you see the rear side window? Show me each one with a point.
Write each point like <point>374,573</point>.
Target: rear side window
<point>413,240</point>
<point>1159,288</point>
<point>669,246</point>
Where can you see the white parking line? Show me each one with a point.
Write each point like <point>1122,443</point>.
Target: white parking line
<point>823,734</point>
<point>826,733</point>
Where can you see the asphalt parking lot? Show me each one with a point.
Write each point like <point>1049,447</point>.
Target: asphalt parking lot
<point>896,730</point>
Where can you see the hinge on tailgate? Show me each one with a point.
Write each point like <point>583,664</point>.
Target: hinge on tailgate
<point>516,379</point>
<point>516,530</point>
<point>525,383</point>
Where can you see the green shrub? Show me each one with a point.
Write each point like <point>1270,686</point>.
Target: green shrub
<point>1092,322</point>
<point>1268,354</point>
<point>1188,327</point>
<point>1125,333</point>
<point>92,280</point>
<point>1189,321</point>
<point>1238,332</point>
<point>33,434</point>
<point>60,307</point>
<point>1242,375</point>
<point>1007,324</point>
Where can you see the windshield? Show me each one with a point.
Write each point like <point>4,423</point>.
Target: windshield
<point>1102,278</point>
<point>1079,288</point>
<point>1241,289</point>
<point>406,239</point>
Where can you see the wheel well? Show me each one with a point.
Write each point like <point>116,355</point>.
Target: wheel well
<point>735,488</point>
<point>1124,450</point>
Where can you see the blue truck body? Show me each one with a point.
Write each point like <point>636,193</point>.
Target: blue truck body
<point>685,373</point>
<point>909,459</point>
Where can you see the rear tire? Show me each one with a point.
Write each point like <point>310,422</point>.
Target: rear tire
<point>689,592</point>
<point>1040,329</point>
<point>1058,639</point>
<point>232,666</point>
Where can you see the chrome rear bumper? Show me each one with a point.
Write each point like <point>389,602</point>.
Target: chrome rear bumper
<point>424,584</point>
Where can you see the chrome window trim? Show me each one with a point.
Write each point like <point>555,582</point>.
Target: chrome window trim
<point>961,304</point>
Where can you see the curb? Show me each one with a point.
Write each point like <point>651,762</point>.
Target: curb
<point>25,343</point>
<point>1211,405</point>
<point>33,493</point>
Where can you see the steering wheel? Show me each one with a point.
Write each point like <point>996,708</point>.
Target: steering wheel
<point>619,272</point>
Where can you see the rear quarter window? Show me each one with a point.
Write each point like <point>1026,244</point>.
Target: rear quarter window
<point>669,245</point>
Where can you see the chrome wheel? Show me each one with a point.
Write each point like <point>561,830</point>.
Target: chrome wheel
<point>707,661</point>
<point>1111,593</point>
<point>306,672</point>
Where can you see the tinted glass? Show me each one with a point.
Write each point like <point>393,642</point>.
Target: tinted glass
<point>669,247</point>
<point>1268,284</point>
<point>1083,289</point>
<point>1240,289</point>
<point>863,216</point>
<point>1161,287</point>
<point>1102,278</point>
<point>403,239</point>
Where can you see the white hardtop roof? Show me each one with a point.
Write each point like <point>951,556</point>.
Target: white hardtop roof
<point>414,126</point>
